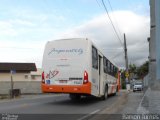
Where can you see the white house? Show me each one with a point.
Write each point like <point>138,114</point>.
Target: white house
<point>25,76</point>
<point>21,72</point>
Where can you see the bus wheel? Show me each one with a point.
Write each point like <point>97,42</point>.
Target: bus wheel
<point>75,96</point>
<point>105,96</point>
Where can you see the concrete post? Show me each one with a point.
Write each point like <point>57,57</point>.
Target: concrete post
<point>157,22</point>
<point>152,45</point>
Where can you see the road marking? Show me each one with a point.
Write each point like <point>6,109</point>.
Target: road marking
<point>88,115</point>
<point>142,98</point>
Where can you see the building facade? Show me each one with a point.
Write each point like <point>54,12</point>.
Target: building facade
<point>25,76</point>
<point>21,72</point>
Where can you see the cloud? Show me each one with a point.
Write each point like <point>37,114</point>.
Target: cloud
<point>100,31</point>
<point>26,51</point>
<point>6,28</point>
<point>22,22</point>
<point>16,42</point>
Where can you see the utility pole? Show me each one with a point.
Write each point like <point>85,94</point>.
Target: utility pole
<point>157,38</point>
<point>126,62</point>
<point>11,90</point>
<point>125,51</point>
<point>12,84</point>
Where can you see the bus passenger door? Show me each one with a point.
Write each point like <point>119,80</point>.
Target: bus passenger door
<point>95,71</point>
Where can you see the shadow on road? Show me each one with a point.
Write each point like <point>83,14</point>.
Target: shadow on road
<point>83,101</point>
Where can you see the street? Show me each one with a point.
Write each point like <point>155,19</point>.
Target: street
<point>55,104</point>
<point>61,105</point>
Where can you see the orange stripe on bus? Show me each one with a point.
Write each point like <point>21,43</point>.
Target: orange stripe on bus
<point>85,88</point>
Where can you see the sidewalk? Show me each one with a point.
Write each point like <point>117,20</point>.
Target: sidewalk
<point>150,103</point>
<point>132,103</point>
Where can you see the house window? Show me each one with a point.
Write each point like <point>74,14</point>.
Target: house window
<point>33,77</point>
<point>26,76</point>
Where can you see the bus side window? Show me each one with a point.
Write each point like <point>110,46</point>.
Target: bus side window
<point>94,58</point>
<point>109,67</point>
<point>114,73</point>
<point>105,64</point>
<point>112,70</point>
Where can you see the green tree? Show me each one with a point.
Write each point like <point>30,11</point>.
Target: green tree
<point>123,82</point>
<point>143,70</point>
<point>132,68</point>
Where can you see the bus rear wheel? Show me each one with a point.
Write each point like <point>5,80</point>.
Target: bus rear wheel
<point>105,96</point>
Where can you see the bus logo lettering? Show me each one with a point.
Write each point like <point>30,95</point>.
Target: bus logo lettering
<point>52,74</point>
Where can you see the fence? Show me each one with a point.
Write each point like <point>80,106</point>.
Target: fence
<point>26,87</point>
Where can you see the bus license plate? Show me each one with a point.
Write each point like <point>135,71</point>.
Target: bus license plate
<point>77,82</point>
<point>62,81</point>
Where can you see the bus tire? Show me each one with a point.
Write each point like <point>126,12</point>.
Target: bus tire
<point>75,96</point>
<point>105,96</point>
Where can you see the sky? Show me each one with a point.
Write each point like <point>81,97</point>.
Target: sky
<point>27,25</point>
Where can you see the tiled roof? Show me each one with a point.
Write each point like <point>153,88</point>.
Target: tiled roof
<point>17,67</point>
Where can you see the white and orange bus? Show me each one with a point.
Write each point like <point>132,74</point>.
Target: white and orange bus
<point>77,67</point>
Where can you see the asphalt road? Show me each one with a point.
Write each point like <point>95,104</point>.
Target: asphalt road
<point>55,106</point>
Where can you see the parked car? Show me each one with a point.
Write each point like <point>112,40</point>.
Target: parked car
<point>138,86</point>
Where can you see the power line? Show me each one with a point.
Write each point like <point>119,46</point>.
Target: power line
<point>114,17</point>
<point>112,48</point>
<point>18,48</point>
<point>99,4</point>
<point>112,23</point>
<point>117,55</point>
